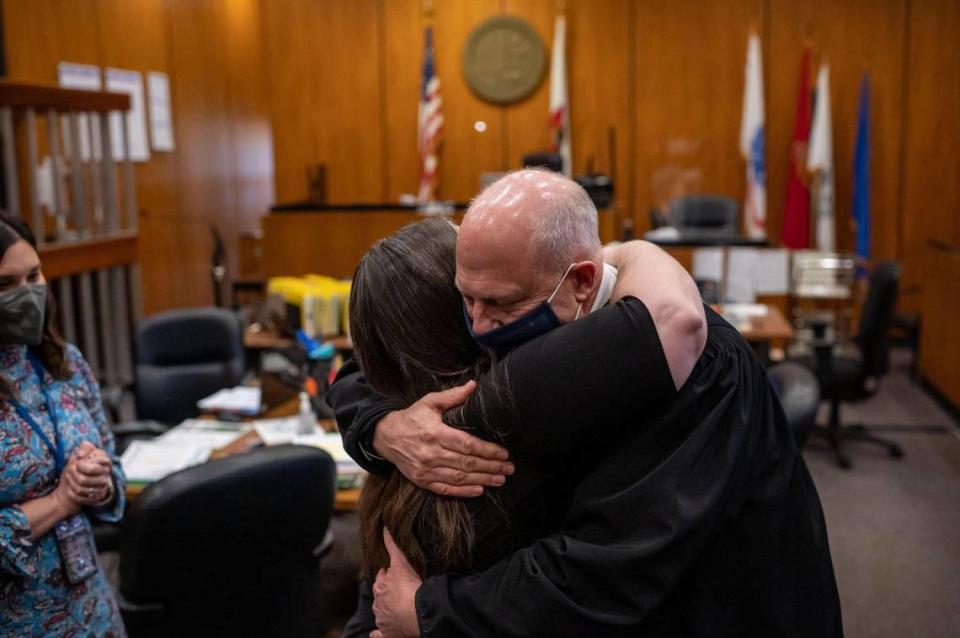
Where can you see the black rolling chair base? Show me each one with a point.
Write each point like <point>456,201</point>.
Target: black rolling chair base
<point>836,435</point>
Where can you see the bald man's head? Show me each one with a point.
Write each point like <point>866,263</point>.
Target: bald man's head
<point>529,233</point>
<point>546,215</point>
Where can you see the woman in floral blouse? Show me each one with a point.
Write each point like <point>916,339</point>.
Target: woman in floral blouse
<point>57,464</point>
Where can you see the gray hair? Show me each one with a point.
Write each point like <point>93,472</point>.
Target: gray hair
<point>564,218</point>
<point>567,230</point>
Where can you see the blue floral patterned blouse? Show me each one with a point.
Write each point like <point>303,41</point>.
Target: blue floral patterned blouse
<point>35,597</point>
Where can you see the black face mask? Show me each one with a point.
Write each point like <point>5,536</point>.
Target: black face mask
<point>538,321</point>
<point>22,313</point>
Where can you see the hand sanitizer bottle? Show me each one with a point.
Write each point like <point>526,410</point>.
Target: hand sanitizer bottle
<point>307,418</point>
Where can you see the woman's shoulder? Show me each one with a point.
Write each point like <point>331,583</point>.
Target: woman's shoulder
<point>76,362</point>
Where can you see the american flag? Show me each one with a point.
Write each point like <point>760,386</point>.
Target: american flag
<point>430,121</point>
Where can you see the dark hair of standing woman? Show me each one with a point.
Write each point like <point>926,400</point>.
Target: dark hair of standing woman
<point>410,338</point>
<point>51,351</point>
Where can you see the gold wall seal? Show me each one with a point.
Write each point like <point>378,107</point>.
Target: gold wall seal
<point>504,60</point>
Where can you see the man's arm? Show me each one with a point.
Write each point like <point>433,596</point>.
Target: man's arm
<point>379,435</point>
<point>639,524</point>
<point>671,296</point>
<point>588,391</point>
<point>358,408</point>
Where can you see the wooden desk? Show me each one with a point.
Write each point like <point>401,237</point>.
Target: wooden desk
<point>271,340</point>
<point>345,500</point>
<point>772,326</point>
<point>265,340</point>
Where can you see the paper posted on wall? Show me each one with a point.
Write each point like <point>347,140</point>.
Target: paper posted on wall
<point>708,264</point>
<point>741,263</point>
<point>86,77</point>
<point>131,83</point>
<point>161,114</point>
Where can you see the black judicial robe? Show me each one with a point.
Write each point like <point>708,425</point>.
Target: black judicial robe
<point>636,509</point>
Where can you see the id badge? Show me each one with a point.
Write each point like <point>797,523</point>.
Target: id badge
<point>76,549</point>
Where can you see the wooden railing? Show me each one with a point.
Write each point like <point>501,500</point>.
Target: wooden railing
<point>87,225</point>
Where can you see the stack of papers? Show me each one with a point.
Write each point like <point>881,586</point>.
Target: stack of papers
<point>332,444</point>
<point>149,461</point>
<point>187,444</point>
<point>279,431</point>
<point>239,400</point>
<point>741,315</point>
<point>205,433</point>
<point>283,431</point>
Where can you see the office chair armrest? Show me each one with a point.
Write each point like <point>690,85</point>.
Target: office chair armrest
<point>145,613</point>
<point>321,550</point>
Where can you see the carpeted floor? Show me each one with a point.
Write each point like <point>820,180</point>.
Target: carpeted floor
<point>894,524</point>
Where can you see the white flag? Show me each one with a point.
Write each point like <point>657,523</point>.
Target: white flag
<point>752,145</point>
<point>559,103</point>
<point>820,162</point>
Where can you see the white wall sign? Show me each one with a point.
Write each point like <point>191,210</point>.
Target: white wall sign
<point>161,115</point>
<point>87,77</point>
<point>131,83</point>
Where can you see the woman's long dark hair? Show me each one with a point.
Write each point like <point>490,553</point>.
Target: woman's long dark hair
<point>51,350</point>
<point>410,338</point>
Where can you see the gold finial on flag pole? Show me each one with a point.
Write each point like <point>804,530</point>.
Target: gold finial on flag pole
<point>427,7</point>
<point>561,7</point>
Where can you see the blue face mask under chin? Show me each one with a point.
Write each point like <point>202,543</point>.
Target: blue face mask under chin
<point>538,321</point>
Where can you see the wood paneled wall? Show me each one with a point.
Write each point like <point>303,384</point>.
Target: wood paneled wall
<point>263,89</point>
<point>667,77</point>
<point>221,173</point>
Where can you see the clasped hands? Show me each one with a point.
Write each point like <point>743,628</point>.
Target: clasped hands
<point>87,479</point>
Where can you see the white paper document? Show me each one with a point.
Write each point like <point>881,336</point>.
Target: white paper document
<point>204,433</point>
<point>161,115</point>
<point>332,444</point>
<point>148,461</point>
<point>771,273</point>
<point>741,265</point>
<point>745,310</point>
<point>131,83</point>
<point>86,77</point>
<point>279,431</point>
<point>242,400</point>
<point>708,264</point>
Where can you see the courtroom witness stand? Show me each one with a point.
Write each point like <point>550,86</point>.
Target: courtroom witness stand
<point>59,463</point>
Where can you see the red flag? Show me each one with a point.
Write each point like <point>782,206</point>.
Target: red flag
<point>796,212</point>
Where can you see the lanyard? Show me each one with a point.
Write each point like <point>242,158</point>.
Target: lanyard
<point>56,450</point>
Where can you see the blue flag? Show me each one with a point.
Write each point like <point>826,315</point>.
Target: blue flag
<point>861,172</point>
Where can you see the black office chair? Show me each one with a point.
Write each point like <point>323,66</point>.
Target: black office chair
<point>230,547</point>
<point>855,376</point>
<point>705,217</point>
<point>550,161</point>
<point>183,356</point>
<point>799,394</point>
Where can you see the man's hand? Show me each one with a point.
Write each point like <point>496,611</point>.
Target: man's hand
<point>435,456</point>
<point>394,594</point>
